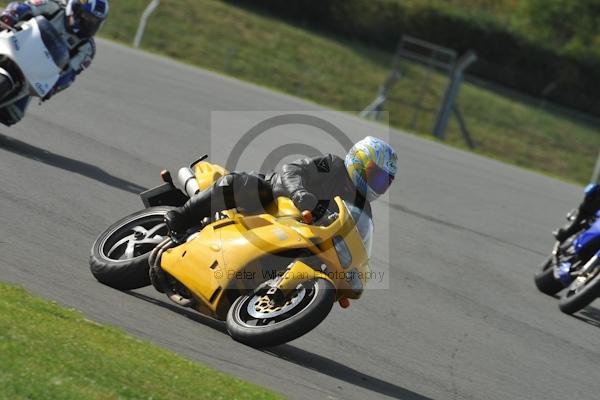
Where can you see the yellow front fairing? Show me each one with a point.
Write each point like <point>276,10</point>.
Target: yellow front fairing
<point>218,257</point>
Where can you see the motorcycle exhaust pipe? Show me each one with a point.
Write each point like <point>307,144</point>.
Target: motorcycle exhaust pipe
<point>186,181</point>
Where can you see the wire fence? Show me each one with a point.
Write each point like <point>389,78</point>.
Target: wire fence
<point>527,130</point>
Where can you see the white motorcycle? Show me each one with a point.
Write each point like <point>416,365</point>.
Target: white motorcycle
<point>32,56</point>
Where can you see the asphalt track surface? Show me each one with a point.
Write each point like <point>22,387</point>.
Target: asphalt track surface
<point>461,319</point>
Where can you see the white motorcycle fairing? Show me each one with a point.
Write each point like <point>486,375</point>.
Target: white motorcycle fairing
<point>27,49</point>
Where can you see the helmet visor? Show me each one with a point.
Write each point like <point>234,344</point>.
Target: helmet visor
<point>89,24</point>
<point>378,179</point>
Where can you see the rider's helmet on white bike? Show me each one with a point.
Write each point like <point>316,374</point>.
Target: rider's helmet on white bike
<point>371,164</point>
<point>86,17</point>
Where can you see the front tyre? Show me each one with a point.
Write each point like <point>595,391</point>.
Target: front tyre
<point>584,290</point>
<point>5,85</point>
<point>120,254</point>
<point>545,280</point>
<point>256,321</point>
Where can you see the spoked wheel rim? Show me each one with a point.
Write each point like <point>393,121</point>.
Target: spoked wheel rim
<point>260,310</point>
<point>134,238</point>
<point>580,282</point>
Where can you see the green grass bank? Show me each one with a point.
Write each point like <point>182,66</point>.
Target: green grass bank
<point>529,45</point>
<point>48,352</point>
<point>345,75</point>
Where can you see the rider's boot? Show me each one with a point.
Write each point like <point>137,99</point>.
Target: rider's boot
<point>569,229</point>
<point>191,213</point>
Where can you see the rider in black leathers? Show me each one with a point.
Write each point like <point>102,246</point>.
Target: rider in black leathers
<point>311,183</point>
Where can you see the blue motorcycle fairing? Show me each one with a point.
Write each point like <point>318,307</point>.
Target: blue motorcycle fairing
<point>590,188</point>
<point>593,232</point>
<point>591,236</point>
<point>562,272</point>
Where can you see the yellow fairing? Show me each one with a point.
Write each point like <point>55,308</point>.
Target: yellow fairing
<point>217,258</point>
<point>207,173</point>
<point>297,273</point>
<point>226,254</point>
<point>198,265</point>
<point>284,207</point>
<point>350,279</point>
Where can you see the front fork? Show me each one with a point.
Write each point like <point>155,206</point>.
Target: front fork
<point>590,265</point>
<point>563,271</point>
<point>295,273</point>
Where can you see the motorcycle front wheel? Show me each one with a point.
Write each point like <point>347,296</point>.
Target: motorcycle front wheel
<point>120,254</point>
<point>545,280</point>
<point>5,85</point>
<point>258,322</point>
<point>584,290</point>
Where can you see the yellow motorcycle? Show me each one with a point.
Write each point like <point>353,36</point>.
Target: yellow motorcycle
<point>272,277</point>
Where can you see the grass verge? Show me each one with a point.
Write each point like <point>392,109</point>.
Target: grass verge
<point>48,352</point>
<point>345,75</point>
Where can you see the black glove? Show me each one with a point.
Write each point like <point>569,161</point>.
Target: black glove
<point>320,211</point>
<point>8,19</point>
<point>304,200</point>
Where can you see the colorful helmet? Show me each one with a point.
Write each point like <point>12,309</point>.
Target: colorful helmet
<point>371,164</point>
<point>86,17</point>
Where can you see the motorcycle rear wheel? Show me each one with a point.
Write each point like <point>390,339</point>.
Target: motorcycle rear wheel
<point>120,254</point>
<point>580,294</point>
<point>306,309</point>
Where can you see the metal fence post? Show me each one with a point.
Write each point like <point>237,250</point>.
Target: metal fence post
<point>450,96</point>
<point>415,50</point>
<point>143,20</point>
<point>596,173</point>
<point>376,107</point>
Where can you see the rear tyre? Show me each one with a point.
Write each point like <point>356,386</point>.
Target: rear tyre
<point>120,254</point>
<point>545,280</point>
<point>584,290</point>
<point>253,321</point>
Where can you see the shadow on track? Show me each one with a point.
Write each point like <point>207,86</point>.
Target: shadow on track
<point>300,357</point>
<point>56,160</point>
<point>590,315</point>
<point>193,315</point>
<point>339,371</point>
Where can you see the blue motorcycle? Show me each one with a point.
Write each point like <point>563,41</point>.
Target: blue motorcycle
<point>575,265</point>
<point>584,278</point>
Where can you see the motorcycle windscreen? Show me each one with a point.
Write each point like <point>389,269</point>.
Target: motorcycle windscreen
<point>28,50</point>
<point>54,43</point>
<point>364,225</point>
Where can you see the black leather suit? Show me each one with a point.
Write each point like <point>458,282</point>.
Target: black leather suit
<point>311,183</point>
